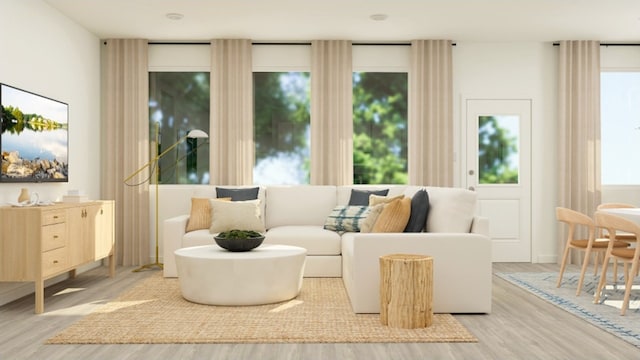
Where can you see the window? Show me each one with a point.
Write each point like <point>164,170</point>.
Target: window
<point>620,127</point>
<point>281,86</point>
<point>179,103</point>
<point>281,127</point>
<point>498,139</point>
<point>380,128</point>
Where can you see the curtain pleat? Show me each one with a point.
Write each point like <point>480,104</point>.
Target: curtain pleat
<point>126,145</point>
<point>430,123</point>
<point>579,129</point>
<point>231,123</point>
<point>331,112</point>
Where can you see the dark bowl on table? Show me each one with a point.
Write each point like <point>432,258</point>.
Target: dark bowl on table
<point>237,245</point>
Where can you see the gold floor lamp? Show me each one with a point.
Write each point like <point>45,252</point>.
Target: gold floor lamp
<point>193,134</point>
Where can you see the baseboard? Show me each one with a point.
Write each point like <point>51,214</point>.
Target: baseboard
<point>547,259</point>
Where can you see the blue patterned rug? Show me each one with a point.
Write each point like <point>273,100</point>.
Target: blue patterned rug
<point>605,316</point>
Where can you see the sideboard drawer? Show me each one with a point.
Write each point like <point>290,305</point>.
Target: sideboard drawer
<point>54,236</point>
<point>54,261</point>
<point>53,217</point>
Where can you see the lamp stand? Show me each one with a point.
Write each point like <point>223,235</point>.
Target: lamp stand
<point>193,134</point>
<point>155,265</point>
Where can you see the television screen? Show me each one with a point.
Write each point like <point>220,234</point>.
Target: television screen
<point>34,138</point>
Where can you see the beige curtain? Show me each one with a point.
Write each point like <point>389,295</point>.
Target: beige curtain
<point>126,145</point>
<point>331,113</point>
<point>579,127</point>
<point>231,123</point>
<point>430,135</point>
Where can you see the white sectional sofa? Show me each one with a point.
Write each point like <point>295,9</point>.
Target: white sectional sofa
<point>455,237</point>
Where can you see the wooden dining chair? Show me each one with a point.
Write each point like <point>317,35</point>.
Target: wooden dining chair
<point>628,256</point>
<point>577,220</point>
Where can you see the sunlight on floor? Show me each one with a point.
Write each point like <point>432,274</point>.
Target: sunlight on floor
<point>618,304</point>
<point>621,287</point>
<point>68,291</point>
<point>286,306</point>
<point>118,305</point>
<point>78,310</point>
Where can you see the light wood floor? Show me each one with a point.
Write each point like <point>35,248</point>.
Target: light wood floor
<point>520,327</point>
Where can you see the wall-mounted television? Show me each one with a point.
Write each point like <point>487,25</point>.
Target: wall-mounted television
<point>34,139</point>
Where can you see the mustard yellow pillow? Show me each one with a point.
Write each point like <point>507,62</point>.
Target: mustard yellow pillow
<point>200,216</point>
<point>394,217</point>
<point>377,199</point>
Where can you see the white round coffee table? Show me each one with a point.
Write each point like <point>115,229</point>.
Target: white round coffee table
<point>214,276</point>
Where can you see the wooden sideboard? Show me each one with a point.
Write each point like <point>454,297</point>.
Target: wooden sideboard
<point>40,242</point>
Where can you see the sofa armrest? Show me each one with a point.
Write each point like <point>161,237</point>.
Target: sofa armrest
<point>173,232</point>
<point>480,225</point>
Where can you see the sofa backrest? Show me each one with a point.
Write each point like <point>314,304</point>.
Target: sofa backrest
<point>299,204</point>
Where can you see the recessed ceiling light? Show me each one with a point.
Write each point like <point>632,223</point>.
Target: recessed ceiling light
<point>378,17</point>
<point>174,16</point>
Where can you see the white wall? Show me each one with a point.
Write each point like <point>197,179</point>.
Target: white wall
<point>46,53</point>
<point>525,70</point>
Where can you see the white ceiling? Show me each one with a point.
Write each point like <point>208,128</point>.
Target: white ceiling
<point>304,20</point>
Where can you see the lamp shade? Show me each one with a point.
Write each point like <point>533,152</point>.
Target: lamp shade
<point>197,134</point>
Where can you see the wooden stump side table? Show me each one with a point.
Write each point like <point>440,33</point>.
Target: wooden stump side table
<point>406,290</point>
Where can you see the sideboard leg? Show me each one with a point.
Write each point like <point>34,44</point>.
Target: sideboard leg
<point>39,285</point>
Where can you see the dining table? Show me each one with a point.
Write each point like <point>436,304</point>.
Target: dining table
<point>629,213</point>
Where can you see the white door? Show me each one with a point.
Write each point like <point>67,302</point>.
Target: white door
<point>499,170</point>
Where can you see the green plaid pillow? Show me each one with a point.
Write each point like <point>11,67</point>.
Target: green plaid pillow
<point>347,218</point>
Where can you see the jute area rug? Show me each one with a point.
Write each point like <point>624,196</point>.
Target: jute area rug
<point>154,312</point>
<point>605,315</point>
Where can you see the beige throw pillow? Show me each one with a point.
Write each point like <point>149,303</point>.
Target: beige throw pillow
<point>230,215</point>
<point>394,216</point>
<point>374,213</point>
<point>200,216</point>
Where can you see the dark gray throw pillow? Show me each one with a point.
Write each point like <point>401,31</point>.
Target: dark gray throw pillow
<point>361,197</point>
<point>419,211</point>
<point>238,194</point>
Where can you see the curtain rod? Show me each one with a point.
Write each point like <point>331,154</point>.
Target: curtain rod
<point>609,44</point>
<point>276,43</point>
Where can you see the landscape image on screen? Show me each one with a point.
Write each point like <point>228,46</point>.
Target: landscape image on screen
<point>34,138</point>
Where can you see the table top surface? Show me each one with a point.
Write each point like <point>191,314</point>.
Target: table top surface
<point>629,213</point>
<point>264,251</point>
<point>625,211</point>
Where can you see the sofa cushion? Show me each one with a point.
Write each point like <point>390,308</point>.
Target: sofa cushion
<point>450,209</point>
<point>419,212</point>
<point>238,194</point>
<point>299,205</point>
<point>346,218</point>
<point>198,238</point>
<point>315,239</point>
<point>200,216</point>
<point>394,216</point>
<point>229,215</point>
<point>361,197</point>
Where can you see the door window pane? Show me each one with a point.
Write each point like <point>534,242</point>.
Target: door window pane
<point>379,128</point>
<point>498,139</point>
<point>179,103</point>
<point>620,127</point>
<point>281,127</point>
